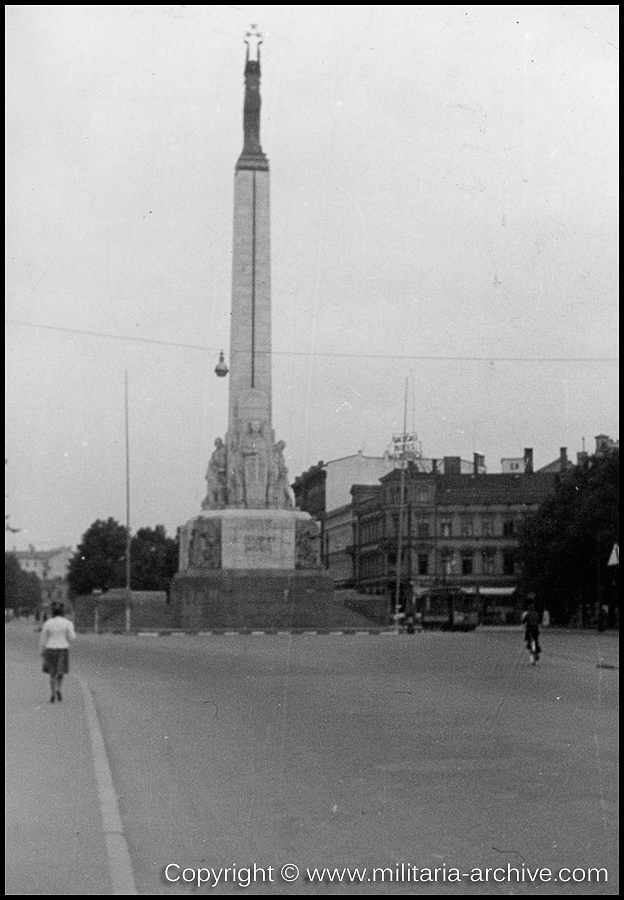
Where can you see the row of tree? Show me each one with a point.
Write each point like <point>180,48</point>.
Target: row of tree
<point>565,547</point>
<point>22,590</point>
<point>99,563</point>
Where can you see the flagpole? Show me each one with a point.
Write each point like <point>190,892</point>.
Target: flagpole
<point>397,597</point>
<point>128,594</point>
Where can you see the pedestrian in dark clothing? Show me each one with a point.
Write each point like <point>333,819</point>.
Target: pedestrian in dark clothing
<point>531,621</point>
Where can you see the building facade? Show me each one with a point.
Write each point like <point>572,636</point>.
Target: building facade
<point>455,529</point>
<point>50,567</point>
<point>458,524</point>
<point>324,491</point>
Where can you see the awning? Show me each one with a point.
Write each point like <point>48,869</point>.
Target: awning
<point>491,591</point>
<point>497,591</point>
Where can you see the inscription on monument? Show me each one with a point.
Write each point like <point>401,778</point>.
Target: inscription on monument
<point>259,543</point>
<point>250,542</point>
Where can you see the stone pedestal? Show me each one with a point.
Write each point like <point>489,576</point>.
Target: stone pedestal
<point>250,568</point>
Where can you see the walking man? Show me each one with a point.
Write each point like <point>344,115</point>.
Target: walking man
<point>531,620</point>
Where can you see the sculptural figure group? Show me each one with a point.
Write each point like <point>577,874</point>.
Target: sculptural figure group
<point>249,473</point>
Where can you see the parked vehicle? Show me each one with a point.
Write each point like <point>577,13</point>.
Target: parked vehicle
<point>449,609</point>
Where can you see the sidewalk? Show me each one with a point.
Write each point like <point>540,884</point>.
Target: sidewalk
<point>54,836</point>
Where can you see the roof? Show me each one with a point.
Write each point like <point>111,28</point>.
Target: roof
<point>40,554</point>
<point>497,488</point>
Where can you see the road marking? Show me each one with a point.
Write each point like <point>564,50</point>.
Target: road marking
<point>119,860</point>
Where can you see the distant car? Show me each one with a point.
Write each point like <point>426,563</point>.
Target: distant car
<point>449,609</point>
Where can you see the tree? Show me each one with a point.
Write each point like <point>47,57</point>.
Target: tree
<point>99,563</point>
<point>153,559</point>
<point>100,560</point>
<point>564,548</point>
<point>22,590</point>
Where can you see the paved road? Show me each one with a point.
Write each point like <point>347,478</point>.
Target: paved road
<point>432,750</point>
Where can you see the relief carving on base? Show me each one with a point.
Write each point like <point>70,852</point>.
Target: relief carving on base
<point>307,545</point>
<point>205,544</point>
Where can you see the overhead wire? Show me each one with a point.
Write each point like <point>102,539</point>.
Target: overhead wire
<point>324,353</point>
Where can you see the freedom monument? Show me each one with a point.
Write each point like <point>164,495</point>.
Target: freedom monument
<point>249,559</point>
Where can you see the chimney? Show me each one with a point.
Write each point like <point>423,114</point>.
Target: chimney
<point>452,465</point>
<point>528,460</point>
<point>563,459</point>
<point>478,462</point>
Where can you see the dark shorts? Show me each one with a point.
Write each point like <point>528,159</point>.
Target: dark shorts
<point>55,662</point>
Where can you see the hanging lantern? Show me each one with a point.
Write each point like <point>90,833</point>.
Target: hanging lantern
<point>221,369</point>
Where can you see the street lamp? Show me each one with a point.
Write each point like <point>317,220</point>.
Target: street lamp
<point>221,369</point>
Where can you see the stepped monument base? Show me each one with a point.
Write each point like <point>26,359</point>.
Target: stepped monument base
<point>246,568</point>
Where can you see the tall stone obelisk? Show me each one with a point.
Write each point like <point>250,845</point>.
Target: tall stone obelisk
<point>250,347</point>
<point>249,558</point>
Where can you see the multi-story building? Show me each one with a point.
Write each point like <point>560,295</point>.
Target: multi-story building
<point>50,566</point>
<point>325,491</point>
<point>460,524</point>
<point>327,485</point>
<point>453,528</point>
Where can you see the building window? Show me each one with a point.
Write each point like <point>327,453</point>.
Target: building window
<point>466,526</point>
<point>467,564</point>
<point>509,528</point>
<point>422,495</point>
<point>446,528</point>
<point>369,531</point>
<point>447,562</point>
<point>487,526</point>
<point>509,567</point>
<point>423,563</point>
<point>423,528</point>
<point>489,557</point>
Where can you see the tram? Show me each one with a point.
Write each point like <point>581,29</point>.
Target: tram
<point>449,609</point>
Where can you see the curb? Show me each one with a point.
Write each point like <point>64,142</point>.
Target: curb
<point>248,632</point>
<point>117,850</point>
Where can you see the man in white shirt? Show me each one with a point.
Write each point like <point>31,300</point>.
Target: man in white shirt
<point>54,640</point>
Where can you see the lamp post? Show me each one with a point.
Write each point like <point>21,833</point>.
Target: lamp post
<point>96,593</point>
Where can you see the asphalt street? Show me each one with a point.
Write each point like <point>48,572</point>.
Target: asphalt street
<point>320,751</point>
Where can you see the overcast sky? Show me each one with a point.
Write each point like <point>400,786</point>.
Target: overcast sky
<point>444,214</point>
